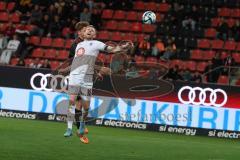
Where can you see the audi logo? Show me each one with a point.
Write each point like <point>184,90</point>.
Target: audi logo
<point>213,97</point>
<point>53,82</point>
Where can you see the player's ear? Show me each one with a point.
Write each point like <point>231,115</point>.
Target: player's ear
<point>95,35</point>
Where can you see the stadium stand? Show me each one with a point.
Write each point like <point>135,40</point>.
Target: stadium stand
<point>199,29</point>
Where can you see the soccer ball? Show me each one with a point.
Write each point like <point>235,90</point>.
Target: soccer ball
<point>149,17</point>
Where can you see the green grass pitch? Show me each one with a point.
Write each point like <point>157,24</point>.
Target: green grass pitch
<point>42,140</point>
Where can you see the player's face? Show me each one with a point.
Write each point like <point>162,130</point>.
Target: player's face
<point>89,33</point>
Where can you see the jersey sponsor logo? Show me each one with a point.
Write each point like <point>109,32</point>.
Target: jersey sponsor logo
<point>80,52</point>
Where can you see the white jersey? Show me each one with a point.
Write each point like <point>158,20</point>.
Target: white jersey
<point>85,56</point>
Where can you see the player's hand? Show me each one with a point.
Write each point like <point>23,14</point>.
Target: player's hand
<point>99,76</point>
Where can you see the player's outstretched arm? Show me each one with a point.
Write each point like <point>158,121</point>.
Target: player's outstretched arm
<point>118,48</point>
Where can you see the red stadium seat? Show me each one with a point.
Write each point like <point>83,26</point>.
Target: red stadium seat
<point>11,6</point>
<point>3,6</point>
<point>4,16</point>
<point>28,61</point>
<point>151,6</point>
<point>217,44</point>
<point>54,64</point>
<point>30,27</point>
<point>111,25</point>
<point>238,82</point>
<point>148,28</point>
<point>139,59</point>
<point>236,57</point>
<point>224,12</point>
<point>140,37</point>
<point>124,26</point>
<point>34,40</point>
<point>177,62</point>
<point>46,42</point>
<point>136,27</point>
<point>208,55</point>
<point>116,36</point>
<point>235,13</point>
<point>215,22</point>
<point>129,36</point>
<point>210,33</point>
<point>230,45</point>
<point>66,31</point>
<point>223,80</point>
<point>163,7</point>
<point>203,43</point>
<point>119,14</point>
<point>108,58</point>
<point>139,5</point>
<point>69,43</point>
<point>62,54</point>
<point>50,53</point>
<point>14,61</point>
<point>38,53</point>
<point>107,14</point>
<point>15,18</point>
<point>103,35</point>
<point>151,61</point>
<point>132,16</point>
<point>3,27</point>
<point>238,46</point>
<point>224,55</point>
<point>159,17</point>
<point>201,66</point>
<point>191,65</point>
<point>101,57</point>
<point>231,22</point>
<point>196,54</point>
<point>58,43</point>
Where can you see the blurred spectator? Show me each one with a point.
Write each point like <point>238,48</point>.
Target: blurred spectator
<point>51,12</point>
<point>44,25</point>
<point>55,27</point>
<point>235,31</point>
<point>173,74</point>
<point>170,50</point>
<point>223,30</point>
<point>186,75</point>
<point>59,5</point>
<point>20,62</point>
<point>217,61</point>
<point>85,15</point>
<point>153,39</point>
<point>188,22</point>
<point>90,4</point>
<point>144,47</point>
<point>158,48</point>
<point>74,12</point>
<point>36,15</point>
<point>27,48</point>
<point>96,18</point>
<point>229,60</point>
<point>22,6</point>
<point>12,47</point>
<point>153,74</point>
<point>36,63</point>
<point>197,77</point>
<point>10,30</point>
<point>132,72</point>
<point>211,73</point>
<point>3,42</point>
<point>46,64</point>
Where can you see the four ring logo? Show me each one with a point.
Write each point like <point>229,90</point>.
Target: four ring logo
<point>49,82</point>
<point>203,96</point>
